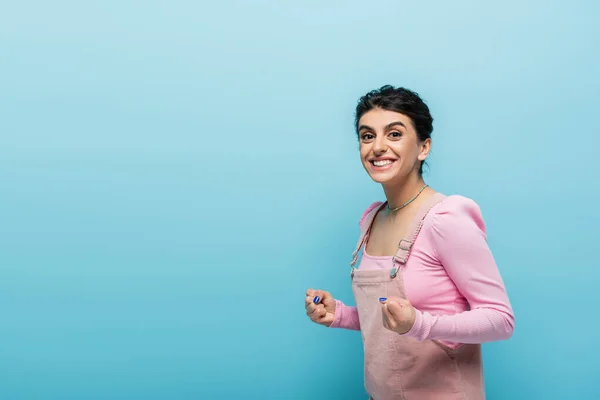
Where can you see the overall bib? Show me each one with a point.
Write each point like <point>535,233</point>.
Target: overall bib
<point>401,367</point>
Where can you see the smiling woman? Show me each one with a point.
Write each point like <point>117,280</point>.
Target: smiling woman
<point>404,116</point>
<point>427,290</point>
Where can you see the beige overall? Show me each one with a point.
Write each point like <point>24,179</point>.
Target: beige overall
<point>401,367</point>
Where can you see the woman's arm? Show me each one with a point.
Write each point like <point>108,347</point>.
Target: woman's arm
<point>346,317</point>
<point>458,233</point>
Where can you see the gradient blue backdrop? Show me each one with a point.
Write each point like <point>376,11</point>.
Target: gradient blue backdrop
<point>174,175</point>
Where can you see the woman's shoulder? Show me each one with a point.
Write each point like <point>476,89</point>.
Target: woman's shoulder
<point>456,203</point>
<point>369,210</point>
<point>454,212</point>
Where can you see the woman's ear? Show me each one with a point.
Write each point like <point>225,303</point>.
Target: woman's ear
<point>425,149</point>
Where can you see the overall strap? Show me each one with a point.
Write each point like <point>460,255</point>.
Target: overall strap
<point>411,234</point>
<point>367,220</point>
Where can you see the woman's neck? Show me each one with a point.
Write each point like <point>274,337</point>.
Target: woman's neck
<point>399,193</point>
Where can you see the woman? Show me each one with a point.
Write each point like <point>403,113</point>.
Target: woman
<point>427,289</point>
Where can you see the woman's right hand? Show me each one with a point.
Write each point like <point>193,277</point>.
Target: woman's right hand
<point>323,311</point>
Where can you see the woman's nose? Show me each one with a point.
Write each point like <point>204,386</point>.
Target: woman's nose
<point>379,147</point>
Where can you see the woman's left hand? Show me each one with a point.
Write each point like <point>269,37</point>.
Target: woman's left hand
<point>398,314</point>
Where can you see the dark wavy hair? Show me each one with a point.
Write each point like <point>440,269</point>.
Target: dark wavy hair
<point>399,100</point>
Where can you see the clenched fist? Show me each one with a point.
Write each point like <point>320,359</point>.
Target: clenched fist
<point>320,306</point>
<point>398,314</point>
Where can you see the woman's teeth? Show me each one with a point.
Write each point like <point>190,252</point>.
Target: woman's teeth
<point>382,163</point>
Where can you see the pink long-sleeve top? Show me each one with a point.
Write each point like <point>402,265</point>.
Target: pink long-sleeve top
<point>451,279</point>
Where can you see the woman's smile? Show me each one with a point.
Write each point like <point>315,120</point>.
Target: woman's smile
<point>382,164</point>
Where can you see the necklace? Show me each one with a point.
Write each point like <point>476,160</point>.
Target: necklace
<point>408,202</point>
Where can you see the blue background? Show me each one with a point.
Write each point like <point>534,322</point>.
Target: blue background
<point>174,175</point>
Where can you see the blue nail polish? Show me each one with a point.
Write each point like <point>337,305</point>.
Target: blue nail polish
<point>317,300</point>
<point>382,299</point>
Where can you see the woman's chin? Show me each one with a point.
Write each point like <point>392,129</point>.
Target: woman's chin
<point>381,177</point>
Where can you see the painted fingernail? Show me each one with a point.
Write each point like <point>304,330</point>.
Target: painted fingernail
<point>382,299</point>
<point>317,300</point>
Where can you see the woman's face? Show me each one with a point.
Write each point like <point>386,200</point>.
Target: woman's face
<point>389,146</point>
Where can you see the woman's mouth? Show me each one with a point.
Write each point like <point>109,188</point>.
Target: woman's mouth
<point>380,165</point>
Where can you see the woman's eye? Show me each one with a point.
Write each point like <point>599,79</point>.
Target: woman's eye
<point>395,134</point>
<point>366,136</point>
